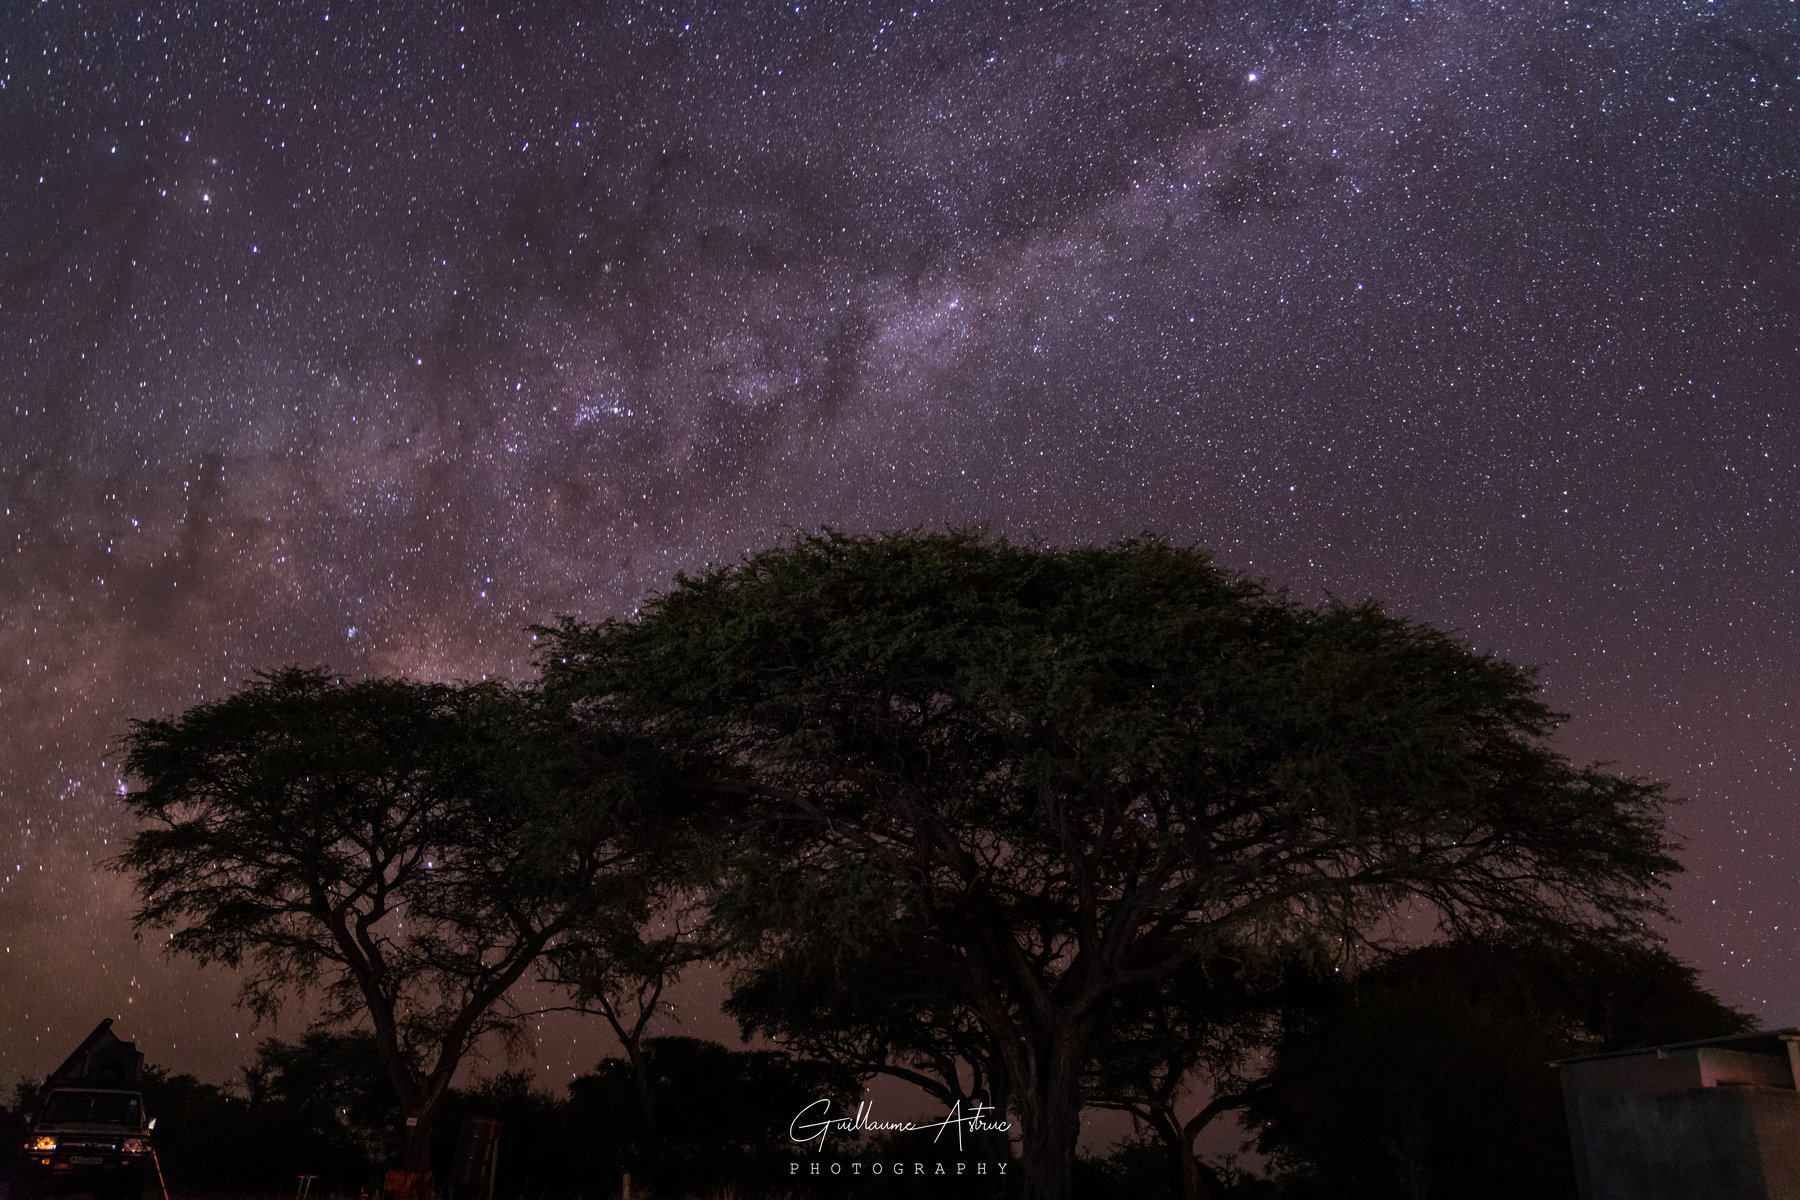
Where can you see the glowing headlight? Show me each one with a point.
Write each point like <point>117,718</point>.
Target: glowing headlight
<point>43,1143</point>
<point>135,1145</point>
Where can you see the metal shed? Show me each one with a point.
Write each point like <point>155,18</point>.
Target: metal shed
<point>1709,1120</point>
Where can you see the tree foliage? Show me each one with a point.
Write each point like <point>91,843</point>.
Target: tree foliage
<point>1428,1077</point>
<point>722,1120</point>
<point>1050,780</point>
<point>407,850</point>
<point>333,1085</point>
<point>1190,1050</point>
<point>872,1013</point>
<point>624,972</point>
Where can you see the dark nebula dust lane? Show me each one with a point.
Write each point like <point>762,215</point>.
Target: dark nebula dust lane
<point>346,334</point>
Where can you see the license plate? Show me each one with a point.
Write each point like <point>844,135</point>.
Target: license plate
<point>86,1160</point>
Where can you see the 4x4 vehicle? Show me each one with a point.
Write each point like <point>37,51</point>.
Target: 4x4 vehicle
<point>87,1131</point>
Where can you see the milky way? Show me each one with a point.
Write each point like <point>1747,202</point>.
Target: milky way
<point>363,337</point>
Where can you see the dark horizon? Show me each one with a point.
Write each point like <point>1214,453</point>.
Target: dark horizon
<point>342,338</point>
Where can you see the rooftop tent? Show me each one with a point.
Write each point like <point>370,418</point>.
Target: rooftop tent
<point>101,1060</point>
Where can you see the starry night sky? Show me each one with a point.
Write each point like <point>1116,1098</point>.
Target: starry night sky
<point>354,335</point>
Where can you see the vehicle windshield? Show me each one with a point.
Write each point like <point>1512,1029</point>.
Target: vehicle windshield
<point>112,1108</point>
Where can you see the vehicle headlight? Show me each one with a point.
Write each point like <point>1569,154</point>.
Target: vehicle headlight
<point>41,1143</point>
<point>135,1145</point>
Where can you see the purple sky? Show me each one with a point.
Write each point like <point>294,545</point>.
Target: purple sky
<point>354,337</point>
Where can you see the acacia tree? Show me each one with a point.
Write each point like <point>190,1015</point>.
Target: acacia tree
<point>1051,779</point>
<point>622,975</point>
<point>408,850</point>
<point>1187,1051</point>
<point>1426,1076</point>
<point>875,1013</point>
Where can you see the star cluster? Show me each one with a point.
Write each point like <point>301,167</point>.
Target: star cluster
<point>365,336</point>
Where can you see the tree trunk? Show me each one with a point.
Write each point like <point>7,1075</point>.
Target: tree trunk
<point>640,1075</point>
<point>411,1180</point>
<point>1192,1181</point>
<point>999,1142</point>
<point>418,1137</point>
<point>1050,1124</point>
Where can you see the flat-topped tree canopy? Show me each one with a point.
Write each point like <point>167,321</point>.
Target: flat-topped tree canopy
<point>1049,777</point>
<point>410,850</point>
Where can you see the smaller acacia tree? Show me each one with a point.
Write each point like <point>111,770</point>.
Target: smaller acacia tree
<point>623,975</point>
<point>409,850</point>
<point>1181,1055</point>
<point>869,1010</point>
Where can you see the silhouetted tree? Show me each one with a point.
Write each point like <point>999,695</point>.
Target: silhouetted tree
<point>720,1111</point>
<point>1428,1077</point>
<point>1191,1049</point>
<point>1051,779</point>
<point>874,1012</point>
<point>336,1086</point>
<point>410,850</point>
<point>622,973</point>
